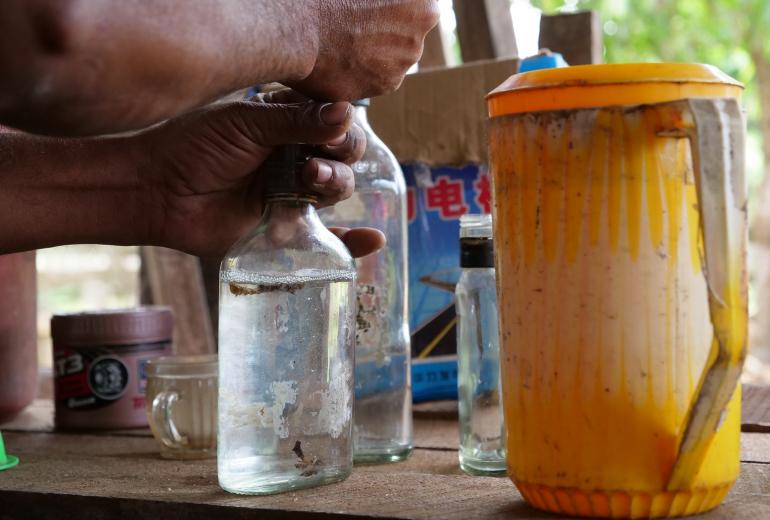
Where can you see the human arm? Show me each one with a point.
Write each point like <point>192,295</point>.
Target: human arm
<point>87,67</point>
<point>188,184</point>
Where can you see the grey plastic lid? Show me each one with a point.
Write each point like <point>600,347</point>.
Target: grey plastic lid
<point>147,324</point>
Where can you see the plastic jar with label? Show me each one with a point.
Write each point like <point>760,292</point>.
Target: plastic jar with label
<point>99,365</point>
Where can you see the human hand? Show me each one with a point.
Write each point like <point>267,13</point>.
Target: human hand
<point>197,171</point>
<point>366,46</point>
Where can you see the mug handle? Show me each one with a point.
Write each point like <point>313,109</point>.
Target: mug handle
<point>160,416</point>
<point>715,129</point>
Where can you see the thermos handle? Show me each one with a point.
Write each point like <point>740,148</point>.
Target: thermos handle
<point>160,416</point>
<point>715,128</point>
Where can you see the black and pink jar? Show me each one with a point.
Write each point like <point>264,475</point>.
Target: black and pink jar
<point>99,365</point>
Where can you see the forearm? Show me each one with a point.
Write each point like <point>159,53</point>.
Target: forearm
<point>84,67</point>
<point>65,191</point>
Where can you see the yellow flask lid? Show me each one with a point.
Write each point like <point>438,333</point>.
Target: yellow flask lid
<point>591,86</point>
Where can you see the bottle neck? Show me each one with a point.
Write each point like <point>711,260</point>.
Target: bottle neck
<point>287,219</point>
<point>361,118</point>
<point>290,205</point>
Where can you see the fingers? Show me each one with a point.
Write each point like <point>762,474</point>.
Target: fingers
<point>347,148</point>
<point>285,96</point>
<point>360,241</point>
<point>331,180</point>
<point>270,125</point>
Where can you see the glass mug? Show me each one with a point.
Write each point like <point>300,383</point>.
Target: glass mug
<point>620,243</point>
<point>182,405</point>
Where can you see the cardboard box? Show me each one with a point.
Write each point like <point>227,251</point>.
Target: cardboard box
<point>436,125</point>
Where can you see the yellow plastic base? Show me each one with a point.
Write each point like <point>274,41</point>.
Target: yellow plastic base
<point>622,504</point>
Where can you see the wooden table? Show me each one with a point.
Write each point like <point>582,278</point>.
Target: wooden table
<point>120,475</point>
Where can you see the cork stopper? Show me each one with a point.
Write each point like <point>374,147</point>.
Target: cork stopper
<point>283,171</point>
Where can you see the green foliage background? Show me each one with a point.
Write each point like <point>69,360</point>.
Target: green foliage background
<point>734,35</point>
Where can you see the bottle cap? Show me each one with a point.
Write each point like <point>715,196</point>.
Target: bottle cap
<point>545,59</point>
<point>6,461</point>
<point>360,102</point>
<point>283,169</point>
<point>476,244</point>
<point>477,252</point>
<point>476,225</point>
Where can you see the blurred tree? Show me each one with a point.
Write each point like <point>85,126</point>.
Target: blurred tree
<point>731,35</point>
<point>727,33</point>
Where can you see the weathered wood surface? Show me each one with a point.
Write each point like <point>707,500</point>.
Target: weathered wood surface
<point>120,475</point>
<point>90,476</point>
<point>434,52</point>
<point>485,29</point>
<point>755,447</point>
<point>756,409</point>
<point>577,36</point>
<point>210,274</point>
<point>174,279</point>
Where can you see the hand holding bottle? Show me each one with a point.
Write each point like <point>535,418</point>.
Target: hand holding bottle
<point>188,184</point>
<point>202,192</point>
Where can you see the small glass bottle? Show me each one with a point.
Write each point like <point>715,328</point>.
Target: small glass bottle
<point>383,404</point>
<point>286,344</point>
<point>482,430</point>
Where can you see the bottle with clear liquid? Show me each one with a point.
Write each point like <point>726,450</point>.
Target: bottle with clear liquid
<point>482,430</point>
<point>286,344</point>
<point>383,391</point>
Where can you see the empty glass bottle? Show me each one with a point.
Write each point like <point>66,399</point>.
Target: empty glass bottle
<point>482,430</point>
<point>286,345</point>
<point>383,403</point>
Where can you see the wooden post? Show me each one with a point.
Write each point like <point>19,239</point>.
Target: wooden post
<point>18,332</point>
<point>434,52</point>
<point>174,279</point>
<point>577,36</point>
<point>210,272</point>
<point>485,29</point>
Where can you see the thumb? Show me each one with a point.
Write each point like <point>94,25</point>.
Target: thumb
<point>310,122</point>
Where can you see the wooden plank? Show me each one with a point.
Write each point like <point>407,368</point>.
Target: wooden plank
<point>577,36</point>
<point>128,473</point>
<point>756,409</point>
<point>436,434</point>
<point>18,331</point>
<point>174,279</point>
<point>210,273</point>
<point>86,476</point>
<point>436,410</point>
<point>434,52</point>
<point>755,447</point>
<point>37,417</point>
<point>431,436</point>
<point>485,29</point>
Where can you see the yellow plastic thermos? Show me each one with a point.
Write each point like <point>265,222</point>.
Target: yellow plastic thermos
<point>620,243</point>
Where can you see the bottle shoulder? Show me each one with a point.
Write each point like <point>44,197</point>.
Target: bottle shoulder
<point>475,280</point>
<point>378,167</point>
<point>280,250</point>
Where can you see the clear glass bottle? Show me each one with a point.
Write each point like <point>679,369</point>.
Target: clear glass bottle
<point>383,403</point>
<point>482,429</point>
<point>286,345</point>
